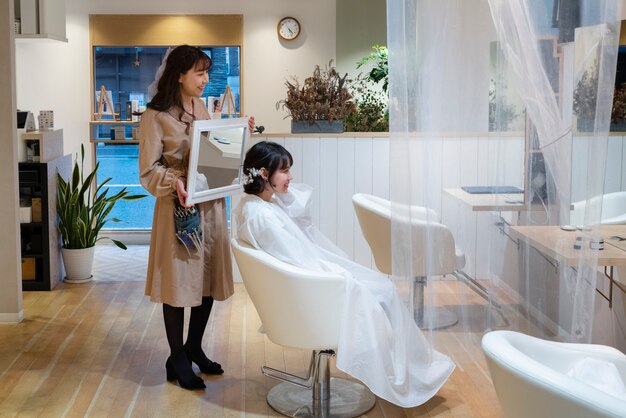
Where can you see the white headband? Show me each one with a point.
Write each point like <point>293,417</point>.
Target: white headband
<point>153,88</point>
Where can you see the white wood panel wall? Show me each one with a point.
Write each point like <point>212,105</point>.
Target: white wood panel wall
<point>615,179</point>
<point>339,166</point>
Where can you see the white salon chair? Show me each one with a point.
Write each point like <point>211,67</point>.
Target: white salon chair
<point>374,215</point>
<point>613,210</point>
<point>301,309</point>
<point>531,377</point>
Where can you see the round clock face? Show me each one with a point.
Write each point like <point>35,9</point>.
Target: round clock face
<point>288,28</point>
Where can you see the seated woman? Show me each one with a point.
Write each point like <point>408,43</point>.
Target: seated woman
<point>379,342</point>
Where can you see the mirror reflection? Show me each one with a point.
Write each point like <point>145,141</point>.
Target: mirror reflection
<point>216,155</point>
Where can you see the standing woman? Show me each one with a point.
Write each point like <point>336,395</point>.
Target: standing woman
<point>182,272</point>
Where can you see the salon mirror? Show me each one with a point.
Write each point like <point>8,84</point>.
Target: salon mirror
<point>215,158</point>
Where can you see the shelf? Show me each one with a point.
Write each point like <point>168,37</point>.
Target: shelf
<point>31,255</point>
<point>40,243</point>
<point>114,122</point>
<point>39,37</point>
<point>115,141</point>
<point>41,20</point>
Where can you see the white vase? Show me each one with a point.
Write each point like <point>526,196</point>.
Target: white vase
<point>78,264</point>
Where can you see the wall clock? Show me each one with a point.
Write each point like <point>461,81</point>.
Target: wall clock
<point>288,28</point>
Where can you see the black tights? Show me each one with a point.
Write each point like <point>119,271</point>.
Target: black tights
<point>174,318</point>
<point>197,323</point>
<point>178,365</point>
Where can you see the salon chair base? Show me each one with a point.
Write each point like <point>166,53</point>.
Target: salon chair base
<point>347,400</point>
<point>441,318</point>
<point>436,317</point>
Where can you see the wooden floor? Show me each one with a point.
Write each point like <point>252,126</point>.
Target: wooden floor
<point>99,349</point>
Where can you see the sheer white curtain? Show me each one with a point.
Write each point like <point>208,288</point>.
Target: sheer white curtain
<point>448,60</point>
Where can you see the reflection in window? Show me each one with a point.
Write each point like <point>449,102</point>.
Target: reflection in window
<point>126,73</point>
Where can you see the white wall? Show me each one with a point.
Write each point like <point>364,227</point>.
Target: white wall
<point>54,75</point>
<point>361,24</point>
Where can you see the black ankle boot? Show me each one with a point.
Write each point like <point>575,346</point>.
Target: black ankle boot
<point>178,368</point>
<point>204,363</point>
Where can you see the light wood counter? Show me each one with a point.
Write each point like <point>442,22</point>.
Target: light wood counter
<point>559,244</point>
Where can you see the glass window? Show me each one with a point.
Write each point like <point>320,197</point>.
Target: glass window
<point>119,162</point>
<point>125,73</point>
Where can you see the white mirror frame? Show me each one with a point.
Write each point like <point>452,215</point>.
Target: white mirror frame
<point>212,125</point>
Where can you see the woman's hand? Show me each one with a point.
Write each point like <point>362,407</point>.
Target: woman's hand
<point>251,124</point>
<point>182,192</point>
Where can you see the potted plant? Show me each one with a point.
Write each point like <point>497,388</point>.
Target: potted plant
<point>585,100</point>
<point>320,104</point>
<point>618,113</point>
<point>371,112</point>
<point>82,212</point>
<point>502,115</point>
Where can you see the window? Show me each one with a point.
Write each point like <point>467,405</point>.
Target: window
<point>126,51</point>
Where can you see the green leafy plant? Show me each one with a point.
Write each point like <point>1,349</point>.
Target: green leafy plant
<point>502,115</point>
<point>380,71</point>
<point>372,105</point>
<point>371,113</point>
<point>323,96</point>
<point>81,213</point>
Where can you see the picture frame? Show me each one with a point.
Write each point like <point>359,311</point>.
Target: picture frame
<point>216,157</point>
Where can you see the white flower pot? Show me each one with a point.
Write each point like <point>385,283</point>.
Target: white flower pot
<point>78,264</point>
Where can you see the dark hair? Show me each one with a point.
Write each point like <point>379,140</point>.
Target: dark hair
<point>182,59</point>
<point>268,155</point>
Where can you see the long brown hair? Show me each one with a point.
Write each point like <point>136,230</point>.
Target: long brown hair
<point>182,59</point>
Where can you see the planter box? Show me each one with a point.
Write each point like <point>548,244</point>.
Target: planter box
<point>319,126</point>
<point>618,126</point>
<point>585,125</point>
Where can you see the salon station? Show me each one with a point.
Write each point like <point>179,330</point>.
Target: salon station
<point>472,152</point>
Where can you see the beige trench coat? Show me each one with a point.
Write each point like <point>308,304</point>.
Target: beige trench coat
<point>175,277</point>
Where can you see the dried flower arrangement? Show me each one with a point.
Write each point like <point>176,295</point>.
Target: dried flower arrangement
<point>618,113</point>
<point>585,94</point>
<point>585,101</point>
<point>323,96</point>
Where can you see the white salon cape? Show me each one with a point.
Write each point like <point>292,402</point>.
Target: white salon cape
<point>379,342</point>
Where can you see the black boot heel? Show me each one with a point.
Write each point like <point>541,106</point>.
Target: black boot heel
<point>205,365</point>
<point>186,378</point>
<point>169,370</point>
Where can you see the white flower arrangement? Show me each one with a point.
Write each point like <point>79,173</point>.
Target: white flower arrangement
<point>249,177</point>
